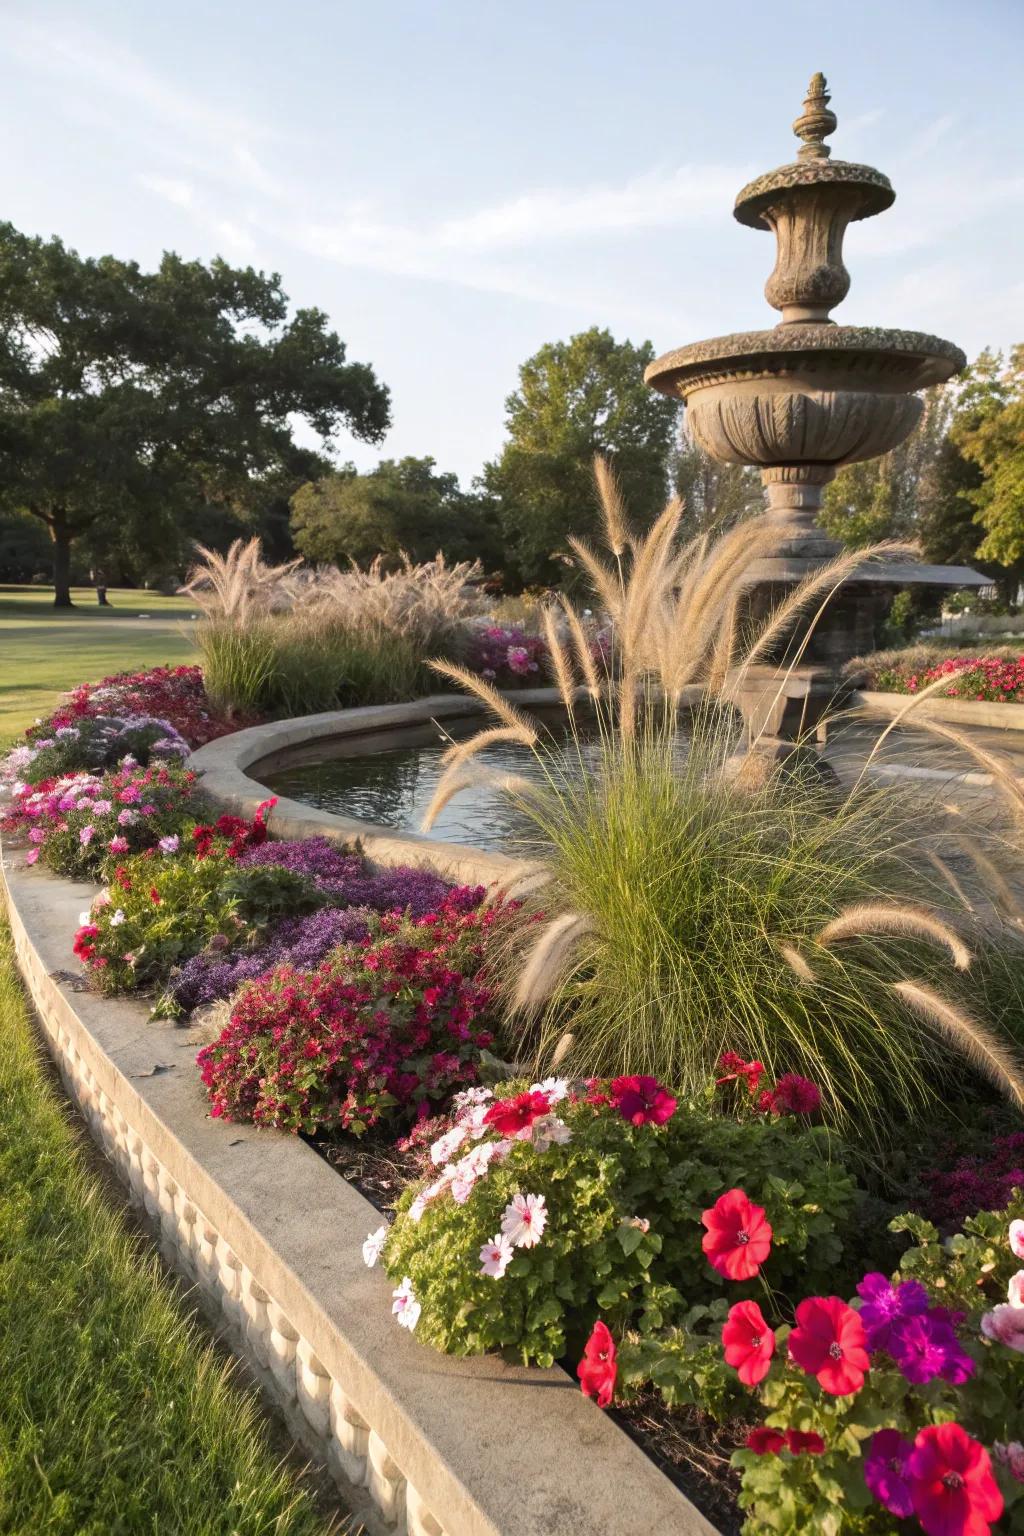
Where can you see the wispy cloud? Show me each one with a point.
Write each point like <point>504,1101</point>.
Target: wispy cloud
<point>170,188</point>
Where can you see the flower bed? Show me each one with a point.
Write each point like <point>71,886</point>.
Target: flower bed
<point>983,679</point>
<point>728,1252</point>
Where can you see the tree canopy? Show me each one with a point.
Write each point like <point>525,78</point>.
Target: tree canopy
<point>402,506</point>
<point>131,400</point>
<point>576,398</point>
<point>989,432</point>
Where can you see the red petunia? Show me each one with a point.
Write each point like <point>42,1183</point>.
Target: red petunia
<point>597,1370</point>
<point>733,1067</point>
<point>642,1100</point>
<point>804,1442</point>
<point>749,1342</point>
<point>738,1238</point>
<point>951,1483</point>
<point>830,1342</point>
<point>765,1442</point>
<point>510,1116</point>
<point>154,896</point>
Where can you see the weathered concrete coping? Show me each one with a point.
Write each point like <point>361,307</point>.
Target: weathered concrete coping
<point>230,769</point>
<point>446,1447</point>
<point>977,712</point>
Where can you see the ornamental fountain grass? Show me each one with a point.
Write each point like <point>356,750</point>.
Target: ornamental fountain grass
<point>685,906</point>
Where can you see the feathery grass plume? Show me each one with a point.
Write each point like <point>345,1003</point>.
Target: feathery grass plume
<point>997,887</point>
<point>561,665</point>
<point>485,691</point>
<point>560,1051</point>
<point>455,781</point>
<point>584,653</point>
<point>234,586</point>
<point>548,958</point>
<point>646,584</point>
<point>529,877</point>
<point>939,863</point>
<point>616,523</point>
<point>606,582</point>
<point>985,1052</point>
<point>461,751</point>
<point>431,603</point>
<point>908,922</point>
<point>796,962</point>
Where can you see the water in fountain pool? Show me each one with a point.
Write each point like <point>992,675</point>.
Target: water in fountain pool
<point>390,780</point>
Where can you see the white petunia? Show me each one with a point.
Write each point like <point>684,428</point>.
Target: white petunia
<point>1015,1290</point>
<point>1017,1238</point>
<point>496,1256</point>
<point>83,918</point>
<point>405,1306</point>
<point>470,1096</point>
<point>556,1088</point>
<point>373,1245</point>
<point>445,1145</point>
<point>524,1220</point>
<point>116,918</point>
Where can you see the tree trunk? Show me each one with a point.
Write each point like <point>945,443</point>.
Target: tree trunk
<point>61,563</point>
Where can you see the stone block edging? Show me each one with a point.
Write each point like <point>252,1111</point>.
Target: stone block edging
<point>421,1444</point>
<point>1007,717</point>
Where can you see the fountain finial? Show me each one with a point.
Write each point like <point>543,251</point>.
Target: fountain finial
<point>815,122</point>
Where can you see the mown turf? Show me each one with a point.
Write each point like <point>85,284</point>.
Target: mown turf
<point>41,647</point>
<point>116,1418</point>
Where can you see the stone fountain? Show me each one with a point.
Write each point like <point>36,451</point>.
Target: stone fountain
<point>800,401</point>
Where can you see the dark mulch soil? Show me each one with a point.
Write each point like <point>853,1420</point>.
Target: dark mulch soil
<point>374,1165</point>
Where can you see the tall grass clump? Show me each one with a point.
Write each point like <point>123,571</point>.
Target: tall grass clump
<point>284,641</point>
<point>680,906</point>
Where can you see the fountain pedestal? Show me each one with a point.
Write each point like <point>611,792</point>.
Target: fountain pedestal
<point>802,400</point>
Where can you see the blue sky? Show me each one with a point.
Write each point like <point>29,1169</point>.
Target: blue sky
<point>458,181</point>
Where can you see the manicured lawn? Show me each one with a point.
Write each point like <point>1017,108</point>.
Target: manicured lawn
<point>116,1418</point>
<point>44,651</point>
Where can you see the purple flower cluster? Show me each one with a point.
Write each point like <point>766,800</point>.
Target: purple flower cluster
<point>301,942</point>
<point>976,1183</point>
<point>920,1338</point>
<point>344,880</point>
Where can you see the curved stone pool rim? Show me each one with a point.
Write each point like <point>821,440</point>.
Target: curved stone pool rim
<point>420,1444</point>
<point>230,771</point>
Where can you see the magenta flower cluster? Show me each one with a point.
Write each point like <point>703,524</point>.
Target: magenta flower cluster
<point>506,656</point>
<point>921,1338</point>
<point>994,679</point>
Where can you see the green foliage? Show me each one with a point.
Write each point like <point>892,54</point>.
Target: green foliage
<point>991,436</point>
<point>878,498</point>
<point>117,1414</point>
<point>160,914</point>
<point>402,506</point>
<point>577,398</point>
<point>130,397</point>
<point>595,1256</point>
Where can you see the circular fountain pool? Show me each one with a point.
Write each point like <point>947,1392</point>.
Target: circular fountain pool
<point>390,778</point>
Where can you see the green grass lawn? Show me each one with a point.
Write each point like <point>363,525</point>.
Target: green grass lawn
<point>116,1417</point>
<point>45,651</point>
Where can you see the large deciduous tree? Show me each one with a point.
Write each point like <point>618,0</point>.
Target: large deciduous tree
<point>576,398</point>
<point>989,432</point>
<point>130,399</point>
<point>403,506</point>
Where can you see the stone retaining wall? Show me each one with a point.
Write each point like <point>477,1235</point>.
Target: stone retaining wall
<point>419,1443</point>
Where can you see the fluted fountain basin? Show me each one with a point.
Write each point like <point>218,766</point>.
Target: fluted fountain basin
<point>804,394</point>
